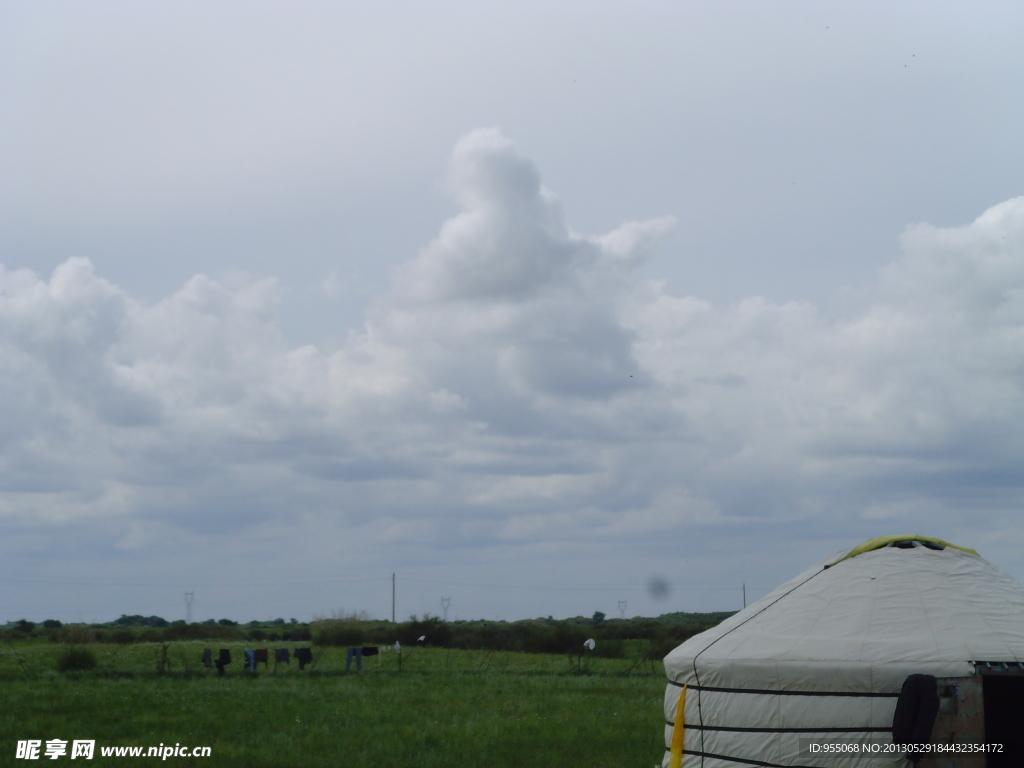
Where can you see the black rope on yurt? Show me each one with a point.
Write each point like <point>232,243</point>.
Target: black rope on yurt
<point>774,692</point>
<point>736,729</point>
<point>696,674</point>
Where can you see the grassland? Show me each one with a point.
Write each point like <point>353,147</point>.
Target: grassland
<point>444,708</point>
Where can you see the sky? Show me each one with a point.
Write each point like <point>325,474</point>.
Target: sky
<point>532,305</point>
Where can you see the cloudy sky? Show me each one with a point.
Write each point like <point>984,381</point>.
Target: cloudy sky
<point>528,304</point>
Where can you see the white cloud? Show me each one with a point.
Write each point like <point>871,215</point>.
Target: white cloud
<point>521,383</point>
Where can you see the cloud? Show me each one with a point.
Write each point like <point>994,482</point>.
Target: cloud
<point>521,383</point>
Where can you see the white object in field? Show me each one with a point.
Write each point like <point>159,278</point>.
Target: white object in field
<point>832,647</point>
<point>421,638</point>
<point>589,644</point>
<point>398,646</point>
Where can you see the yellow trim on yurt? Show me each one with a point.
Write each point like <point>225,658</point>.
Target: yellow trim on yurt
<point>880,541</point>
<point>678,732</point>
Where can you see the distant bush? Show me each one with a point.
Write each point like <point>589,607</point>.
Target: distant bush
<point>527,636</point>
<point>204,631</point>
<point>140,621</point>
<point>667,638</point>
<point>435,630</point>
<point>52,624</point>
<point>76,659</point>
<point>301,634</point>
<point>338,632</point>
<point>77,634</point>
<point>121,635</point>
<point>610,649</point>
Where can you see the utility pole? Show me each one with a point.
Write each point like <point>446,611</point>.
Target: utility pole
<point>744,594</point>
<point>445,602</point>
<point>622,609</point>
<point>392,598</point>
<point>189,597</point>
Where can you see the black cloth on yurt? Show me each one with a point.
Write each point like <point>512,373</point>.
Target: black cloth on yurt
<point>916,709</point>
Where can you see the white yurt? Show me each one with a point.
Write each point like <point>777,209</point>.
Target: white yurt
<point>824,658</point>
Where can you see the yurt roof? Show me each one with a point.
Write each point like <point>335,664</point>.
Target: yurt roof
<point>893,600</point>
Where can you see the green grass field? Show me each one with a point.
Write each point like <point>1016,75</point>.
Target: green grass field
<point>444,708</point>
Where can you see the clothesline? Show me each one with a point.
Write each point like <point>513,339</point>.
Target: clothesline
<point>303,656</point>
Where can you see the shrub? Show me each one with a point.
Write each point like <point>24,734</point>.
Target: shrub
<point>436,631</point>
<point>610,649</point>
<point>337,632</point>
<point>76,659</point>
<point>204,631</point>
<point>301,634</point>
<point>76,634</point>
<point>140,621</point>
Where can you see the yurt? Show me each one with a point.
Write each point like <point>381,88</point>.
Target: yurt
<point>904,631</point>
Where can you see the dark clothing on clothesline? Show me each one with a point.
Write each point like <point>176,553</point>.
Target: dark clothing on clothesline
<point>207,658</point>
<point>281,656</point>
<point>223,659</point>
<point>262,657</point>
<point>358,654</point>
<point>370,650</point>
<point>304,656</point>
<point>250,659</point>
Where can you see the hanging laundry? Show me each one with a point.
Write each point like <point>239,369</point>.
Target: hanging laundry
<point>370,650</point>
<point>282,656</point>
<point>250,659</point>
<point>304,656</point>
<point>223,659</point>
<point>262,656</point>
<point>207,658</point>
<point>357,653</point>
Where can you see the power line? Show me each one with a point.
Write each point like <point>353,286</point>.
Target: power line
<point>557,588</point>
<point>393,578</point>
<point>194,583</point>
